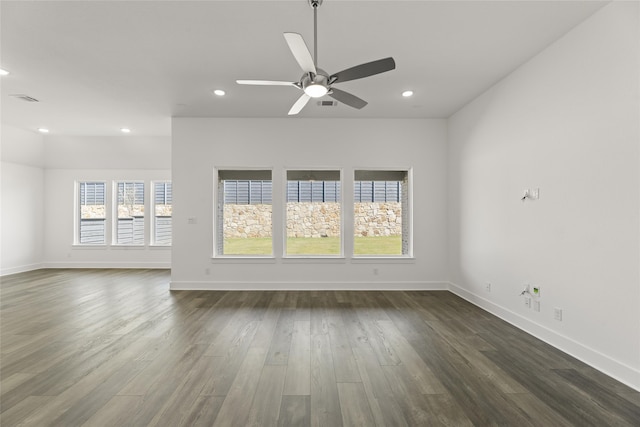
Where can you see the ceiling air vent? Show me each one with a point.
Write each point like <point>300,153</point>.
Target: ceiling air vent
<point>327,103</point>
<point>24,97</point>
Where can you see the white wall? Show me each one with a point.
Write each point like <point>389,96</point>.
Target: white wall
<point>21,208</point>
<point>71,159</point>
<point>21,147</point>
<point>568,123</point>
<point>22,218</point>
<point>199,145</point>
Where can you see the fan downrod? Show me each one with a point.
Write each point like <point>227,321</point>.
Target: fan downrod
<point>315,3</point>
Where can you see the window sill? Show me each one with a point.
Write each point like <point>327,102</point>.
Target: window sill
<point>243,259</point>
<point>314,259</point>
<point>128,247</point>
<point>160,247</point>
<point>81,246</point>
<point>383,260</point>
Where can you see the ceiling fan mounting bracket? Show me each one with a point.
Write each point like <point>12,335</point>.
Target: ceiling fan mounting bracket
<point>315,3</point>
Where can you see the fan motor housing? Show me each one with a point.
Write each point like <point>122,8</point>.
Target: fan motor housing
<point>309,79</point>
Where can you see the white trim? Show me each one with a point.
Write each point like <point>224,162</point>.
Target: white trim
<point>615,369</point>
<point>160,247</point>
<point>313,259</point>
<point>382,259</point>
<point>308,286</point>
<point>20,269</point>
<point>84,246</point>
<point>243,259</point>
<point>109,264</point>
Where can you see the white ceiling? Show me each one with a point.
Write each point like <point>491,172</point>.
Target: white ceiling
<point>97,66</point>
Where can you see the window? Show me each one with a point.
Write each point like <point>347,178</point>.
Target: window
<point>244,204</point>
<point>130,213</point>
<point>92,214</point>
<point>381,213</point>
<point>162,213</point>
<point>313,217</point>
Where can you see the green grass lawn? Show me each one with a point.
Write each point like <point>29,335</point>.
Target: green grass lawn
<point>378,245</point>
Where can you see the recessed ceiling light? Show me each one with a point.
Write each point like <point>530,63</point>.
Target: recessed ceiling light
<point>219,92</point>
<point>43,130</point>
<point>407,93</point>
<point>3,72</point>
<point>125,130</point>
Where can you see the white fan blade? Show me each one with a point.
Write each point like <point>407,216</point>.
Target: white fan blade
<point>299,105</point>
<point>264,83</point>
<point>300,52</point>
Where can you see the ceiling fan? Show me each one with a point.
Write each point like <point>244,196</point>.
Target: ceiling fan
<point>315,82</point>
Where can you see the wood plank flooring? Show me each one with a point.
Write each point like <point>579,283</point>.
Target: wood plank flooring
<point>117,348</point>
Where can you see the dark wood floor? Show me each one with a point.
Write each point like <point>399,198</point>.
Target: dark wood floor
<point>117,348</point>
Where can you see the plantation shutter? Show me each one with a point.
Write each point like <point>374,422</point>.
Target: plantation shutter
<point>404,190</point>
<point>219,249</point>
<point>163,193</point>
<point>92,228</point>
<point>313,186</point>
<point>244,187</point>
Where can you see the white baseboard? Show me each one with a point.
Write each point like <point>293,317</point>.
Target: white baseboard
<point>109,264</point>
<point>307,286</point>
<point>20,269</point>
<point>615,369</point>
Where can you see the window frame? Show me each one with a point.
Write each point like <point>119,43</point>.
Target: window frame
<point>279,219</point>
<point>116,217</point>
<point>218,216</point>
<point>152,220</point>
<point>407,217</point>
<point>78,213</point>
<point>284,236</point>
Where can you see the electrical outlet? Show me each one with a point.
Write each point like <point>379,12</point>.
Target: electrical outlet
<point>207,271</point>
<point>557,314</point>
<point>375,271</point>
<point>527,302</point>
<point>487,287</point>
<point>535,193</point>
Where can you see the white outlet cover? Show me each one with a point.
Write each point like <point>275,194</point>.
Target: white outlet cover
<point>535,193</point>
<point>557,314</point>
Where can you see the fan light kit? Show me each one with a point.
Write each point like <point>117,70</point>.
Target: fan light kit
<point>3,72</point>
<point>219,92</point>
<point>315,82</point>
<point>43,130</point>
